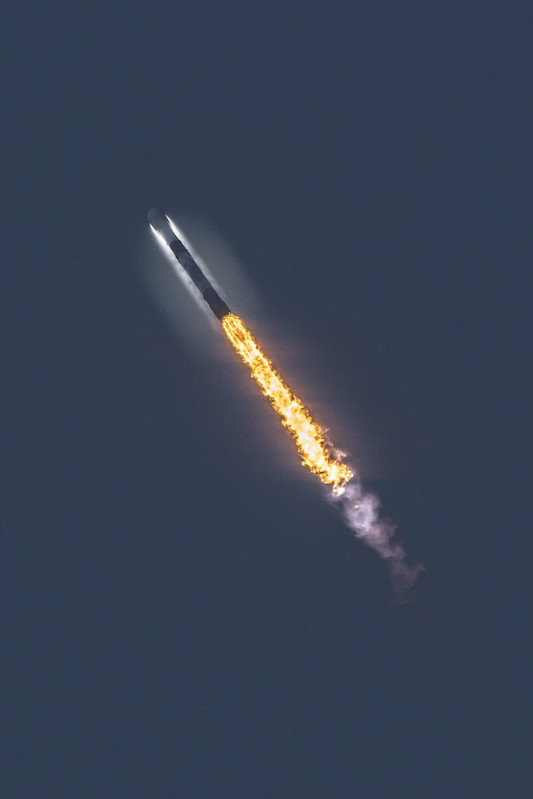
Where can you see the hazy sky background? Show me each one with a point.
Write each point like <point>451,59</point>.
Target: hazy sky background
<point>183,614</point>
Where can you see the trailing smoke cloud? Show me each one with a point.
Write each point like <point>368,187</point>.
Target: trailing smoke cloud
<point>361,513</point>
<point>360,509</point>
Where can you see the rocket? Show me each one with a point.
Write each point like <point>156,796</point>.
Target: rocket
<point>167,234</point>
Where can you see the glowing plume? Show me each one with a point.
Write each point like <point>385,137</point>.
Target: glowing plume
<point>308,435</point>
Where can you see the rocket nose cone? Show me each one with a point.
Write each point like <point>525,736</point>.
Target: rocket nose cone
<point>157,219</point>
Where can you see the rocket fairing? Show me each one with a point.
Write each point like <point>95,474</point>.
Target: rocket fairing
<point>161,226</point>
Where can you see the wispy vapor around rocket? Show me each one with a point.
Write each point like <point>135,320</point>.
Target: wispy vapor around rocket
<point>168,235</point>
<point>360,509</point>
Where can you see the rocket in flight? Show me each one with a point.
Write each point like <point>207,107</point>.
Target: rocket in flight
<point>360,508</point>
<point>167,234</point>
<point>310,438</point>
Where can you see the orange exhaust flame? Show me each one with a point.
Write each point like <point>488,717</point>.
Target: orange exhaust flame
<point>308,435</point>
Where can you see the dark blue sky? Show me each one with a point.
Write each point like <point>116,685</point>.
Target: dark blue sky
<point>183,614</point>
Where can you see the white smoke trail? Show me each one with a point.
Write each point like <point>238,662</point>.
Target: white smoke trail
<point>360,509</point>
